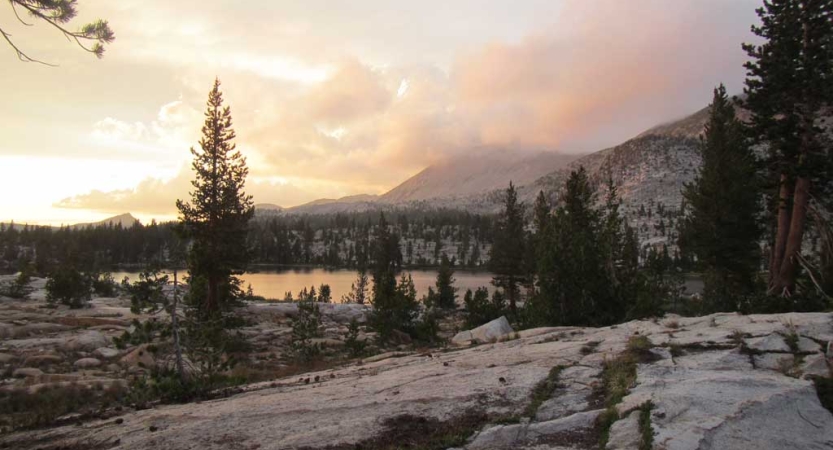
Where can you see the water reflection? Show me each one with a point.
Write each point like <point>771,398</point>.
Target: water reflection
<point>274,284</point>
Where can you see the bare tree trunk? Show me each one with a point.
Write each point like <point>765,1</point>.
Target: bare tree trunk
<point>180,368</point>
<point>781,234</point>
<point>793,250</point>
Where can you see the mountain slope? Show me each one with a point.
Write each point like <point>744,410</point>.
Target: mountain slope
<point>471,175</point>
<point>126,220</point>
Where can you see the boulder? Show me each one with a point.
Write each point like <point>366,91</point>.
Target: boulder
<point>27,372</point>
<point>88,340</point>
<point>489,332</point>
<point>87,363</point>
<point>6,358</point>
<point>106,352</point>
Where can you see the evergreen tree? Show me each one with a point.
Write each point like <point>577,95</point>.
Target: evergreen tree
<point>571,272</point>
<point>358,290</point>
<point>216,218</point>
<point>789,89</point>
<point>721,227</point>
<point>393,306</point>
<point>446,292</point>
<point>506,260</point>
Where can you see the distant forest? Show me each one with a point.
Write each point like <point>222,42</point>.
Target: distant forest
<point>339,240</point>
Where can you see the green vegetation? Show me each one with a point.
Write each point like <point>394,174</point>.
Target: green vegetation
<point>306,327</point>
<point>721,227</point>
<point>647,433</point>
<point>480,309</point>
<point>543,391</point>
<point>355,346</point>
<point>20,408</point>
<point>788,95</point>
<point>19,287</point>
<point>506,260</point>
<point>618,376</point>
<point>58,14</point>
<point>68,286</point>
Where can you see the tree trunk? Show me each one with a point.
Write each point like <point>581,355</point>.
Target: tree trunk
<point>782,232</point>
<point>799,218</point>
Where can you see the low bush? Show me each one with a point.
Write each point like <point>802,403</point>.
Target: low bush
<point>68,286</point>
<point>24,409</point>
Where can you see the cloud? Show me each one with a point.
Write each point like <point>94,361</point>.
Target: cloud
<point>155,196</point>
<point>315,106</point>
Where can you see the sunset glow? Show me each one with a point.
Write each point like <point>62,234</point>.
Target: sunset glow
<point>334,99</point>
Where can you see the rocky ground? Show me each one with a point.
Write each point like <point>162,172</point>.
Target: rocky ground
<point>724,381</point>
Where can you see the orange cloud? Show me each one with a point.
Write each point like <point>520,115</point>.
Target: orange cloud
<point>598,73</point>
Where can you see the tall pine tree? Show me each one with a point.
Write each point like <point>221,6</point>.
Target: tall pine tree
<point>217,216</point>
<point>506,260</point>
<point>723,203</point>
<point>790,88</point>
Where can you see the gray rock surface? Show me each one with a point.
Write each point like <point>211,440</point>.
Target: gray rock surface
<point>624,433</point>
<point>708,397</point>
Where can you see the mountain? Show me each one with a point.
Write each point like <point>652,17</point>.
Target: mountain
<point>126,220</point>
<point>473,174</point>
<point>649,170</point>
<point>361,202</point>
<point>267,207</point>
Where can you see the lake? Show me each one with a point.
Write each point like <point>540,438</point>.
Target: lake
<point>274,284</point>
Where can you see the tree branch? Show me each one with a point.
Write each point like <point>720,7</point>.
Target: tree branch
<point>20,55</point>
<point>18,15</point>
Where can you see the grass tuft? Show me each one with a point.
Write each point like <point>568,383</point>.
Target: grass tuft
<point>647,433</point>
<point>542,391</point>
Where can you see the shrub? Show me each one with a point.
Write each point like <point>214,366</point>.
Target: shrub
<point>22,408</point>
<point>355,347</point>
<point>103,284</point>
<point>19,287</point>
<point>480,310</point>
<point>68,286</point>
<point>395,311</point>
<point>305,327</point>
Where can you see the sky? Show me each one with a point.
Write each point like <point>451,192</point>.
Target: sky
<point>335,98</point>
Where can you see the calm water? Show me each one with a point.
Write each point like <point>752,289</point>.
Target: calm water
<point>274,284</point>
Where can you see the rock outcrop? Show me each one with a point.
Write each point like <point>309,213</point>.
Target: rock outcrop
<point>703,383</point>
<point>489,332</point>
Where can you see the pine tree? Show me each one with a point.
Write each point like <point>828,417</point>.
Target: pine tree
<point>358,290</point>
<point>217,216</point>
<point>789,87</point>
<point>393,306</point>
<point>721,226</point>
<point>446,292</point>
<point>506,260</point>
